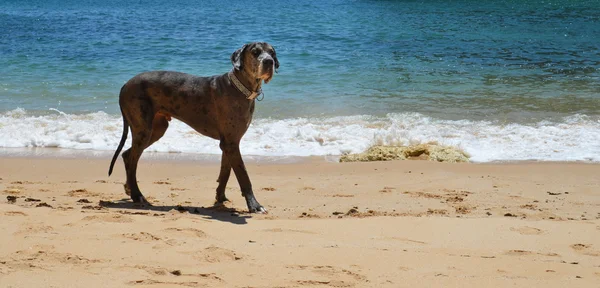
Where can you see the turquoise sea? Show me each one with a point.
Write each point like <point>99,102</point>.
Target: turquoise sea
<point>503,80</point>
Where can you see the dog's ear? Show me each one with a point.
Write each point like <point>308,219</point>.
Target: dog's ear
<point>237,58</point>
<point>274,55</point>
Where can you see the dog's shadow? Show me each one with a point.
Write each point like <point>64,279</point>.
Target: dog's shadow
<point>215,212</point>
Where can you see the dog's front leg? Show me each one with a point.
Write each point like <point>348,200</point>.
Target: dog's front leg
<point>232,152</point>
<point>223,178</point>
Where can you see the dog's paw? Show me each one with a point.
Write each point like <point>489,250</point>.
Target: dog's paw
<point>260,210</point>
<point>143,200</point>
<point>140,201</point>
<point>254,206</point>
<point>221,201</point>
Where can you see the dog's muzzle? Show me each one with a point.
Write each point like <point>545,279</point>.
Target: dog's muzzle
<point>266,67</point>
<point>268,62</point>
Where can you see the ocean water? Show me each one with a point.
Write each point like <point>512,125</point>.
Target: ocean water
<point>502,80</point>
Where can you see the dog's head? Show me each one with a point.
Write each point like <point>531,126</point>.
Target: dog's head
<point>257,59</point>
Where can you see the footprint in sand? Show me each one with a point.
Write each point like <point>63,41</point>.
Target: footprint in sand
<point>15,213</point>
<point>109,218</point>
<point>82,193</point>
<point>187,231</point>
<point>214,254</point>
<point>208,280</point>
<point>150,238</point>
<point>420,194</point>
<point>34,228</point>
<point>327,275</point>
<point>151,270</point>
<point>585,249</point>
<point>526,230</point>
<point>43,257</point>
<point>141,236</point>
<point>160,271</point>
<point>518,252</point>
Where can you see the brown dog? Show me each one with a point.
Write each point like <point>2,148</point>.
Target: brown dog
<point>219,107</point>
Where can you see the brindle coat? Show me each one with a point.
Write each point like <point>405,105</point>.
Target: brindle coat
<point>210,105</point>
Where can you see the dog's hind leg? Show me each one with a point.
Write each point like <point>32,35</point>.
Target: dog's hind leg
<point>140,122</point>
<point>160,123</point>
<point>223,178</point>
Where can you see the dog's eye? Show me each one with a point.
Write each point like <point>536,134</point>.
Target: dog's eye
<point>256,51</point>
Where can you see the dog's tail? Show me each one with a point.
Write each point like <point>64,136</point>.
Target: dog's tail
<point>123,138</point>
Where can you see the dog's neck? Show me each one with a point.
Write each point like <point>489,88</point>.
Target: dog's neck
<point>249,89</point>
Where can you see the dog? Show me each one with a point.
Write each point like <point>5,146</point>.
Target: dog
<point>219,106</point>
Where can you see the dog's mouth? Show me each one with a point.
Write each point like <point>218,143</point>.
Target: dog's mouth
<point>266,73</point>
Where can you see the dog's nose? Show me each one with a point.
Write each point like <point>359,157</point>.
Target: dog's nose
<point>268,62</point>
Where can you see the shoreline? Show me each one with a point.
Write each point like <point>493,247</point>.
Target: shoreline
<point>208,159</point>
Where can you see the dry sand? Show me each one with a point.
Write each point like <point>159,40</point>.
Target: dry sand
<point>384,224</point>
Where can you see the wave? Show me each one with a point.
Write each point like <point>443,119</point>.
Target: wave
<point>573,138</point>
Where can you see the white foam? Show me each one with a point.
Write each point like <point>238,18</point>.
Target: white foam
<point>575,138</point>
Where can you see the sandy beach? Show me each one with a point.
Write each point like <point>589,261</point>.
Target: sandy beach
<point>65,223</point>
